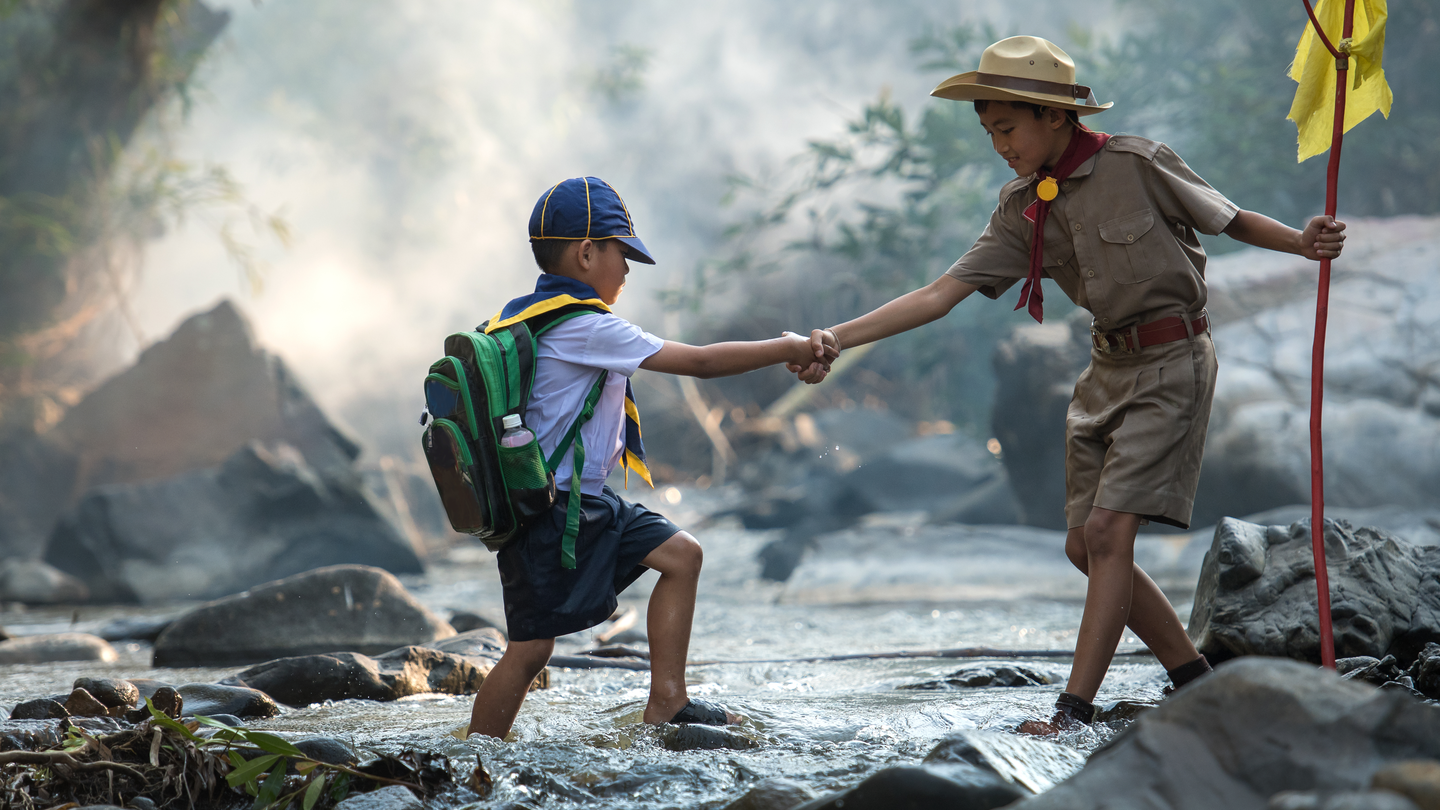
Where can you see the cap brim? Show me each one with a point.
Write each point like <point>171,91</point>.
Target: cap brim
<point>638,251</point>
<point>965,87</point>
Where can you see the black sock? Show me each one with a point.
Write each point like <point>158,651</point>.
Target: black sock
<point>1185,673</point>
<point>1075,707</point>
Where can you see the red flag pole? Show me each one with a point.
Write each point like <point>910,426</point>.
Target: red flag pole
<point>1317,357</point>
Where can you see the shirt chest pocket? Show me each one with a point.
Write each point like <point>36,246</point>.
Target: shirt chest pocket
<point>1131,249</point>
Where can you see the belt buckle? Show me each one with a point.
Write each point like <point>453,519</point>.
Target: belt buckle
<point>1102,341</point>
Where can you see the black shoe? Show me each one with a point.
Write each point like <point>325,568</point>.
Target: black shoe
<point>701,712</point>
<point>1071,713</point>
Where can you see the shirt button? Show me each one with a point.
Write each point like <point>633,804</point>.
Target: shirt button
<point>1104,320</point>
<point>1091,274</point>
<point>1065,185</point>
<point>1077,226</point>
<point>1129,237</point>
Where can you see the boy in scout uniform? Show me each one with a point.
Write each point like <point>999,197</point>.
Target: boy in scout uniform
<point>1111,220</point>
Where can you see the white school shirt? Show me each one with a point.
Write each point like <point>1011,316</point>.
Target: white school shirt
<point>567,363</point>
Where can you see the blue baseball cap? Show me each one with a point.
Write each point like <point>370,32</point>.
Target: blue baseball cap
<point>586,208</point>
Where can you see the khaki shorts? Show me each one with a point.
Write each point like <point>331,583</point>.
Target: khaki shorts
<point>1135,432</point>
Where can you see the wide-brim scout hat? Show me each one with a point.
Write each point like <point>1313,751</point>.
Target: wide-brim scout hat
<point>1025,69</point>
<point>586,208</point>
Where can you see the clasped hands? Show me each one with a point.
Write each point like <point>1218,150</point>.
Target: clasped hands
<point>814,355</point>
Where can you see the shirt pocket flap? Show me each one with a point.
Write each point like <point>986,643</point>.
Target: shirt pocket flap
<point>1058,252</point>
<point>1127,230</point>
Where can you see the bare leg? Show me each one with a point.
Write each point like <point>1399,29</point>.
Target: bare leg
<point>668,620</point>
<point>1110,561</point>
<point>1152,617</point>
<point>505,688</point>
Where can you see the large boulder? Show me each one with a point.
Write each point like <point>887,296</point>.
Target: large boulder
<point>1035,372</point>
<point>1256,594</point>
<point>307,679</point>
<point>187,403</point>
<point>48,648</point>
<point>263,515</point>
<point>1256,728</point>
<point>33,582</point>
<point>342,607</point>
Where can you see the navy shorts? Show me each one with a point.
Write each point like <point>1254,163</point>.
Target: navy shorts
<point>543,600</point>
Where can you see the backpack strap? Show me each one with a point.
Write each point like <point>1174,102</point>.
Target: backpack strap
<point>572,436</point>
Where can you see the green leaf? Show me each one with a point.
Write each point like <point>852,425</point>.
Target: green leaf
<point>340,787</point>
<point>163,719</point>
<point>270,791</point>
<point>273,744</point>
<point>312,793</point>
<point>250,770</point>
<point>206,721</point>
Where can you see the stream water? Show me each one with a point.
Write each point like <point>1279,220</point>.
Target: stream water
<point>826,724</point>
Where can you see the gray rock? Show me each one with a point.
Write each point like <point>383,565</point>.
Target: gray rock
<point>911,787</point>
<point>342,607</point>
<point>328,750</point>
<point>1035,372</point>
<point>37,477</point>
<point>239,701</point>
<point>920,474</point>
<point>44,649</point>
<point>135,629</point>
<point>21,734</point>
<point>773,794</point>
<point>464,621</point>
<point>1030,762</point>
<point>36,583</point>
<point>1256,727</point>
<point>111,692</point>
<point>390,797</point>
<point>985,675</point>
<point>488,642</point>
<point>692,737</point>
<point>83,704</point>
<point>45,708</point>
<point>1256,594</point>
<point>303,680</point>
<point>263,515</point>
<point>1418,780</point>
<point>1425,671</point>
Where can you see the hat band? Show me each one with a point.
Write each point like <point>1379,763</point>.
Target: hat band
<point>1080,91</point>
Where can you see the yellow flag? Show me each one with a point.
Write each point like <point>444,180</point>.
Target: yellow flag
<point>1314,68</point>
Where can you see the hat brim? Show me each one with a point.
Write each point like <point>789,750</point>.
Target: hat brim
<point>638,251</point>
<point>967,87</point>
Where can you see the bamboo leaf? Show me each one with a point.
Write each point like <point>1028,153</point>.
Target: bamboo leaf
<point>306,766</point>
<point>312,793</point>
<point>270,791</point>
<point>250,770</point>
<point>273,744</point>
<point>162,719</point>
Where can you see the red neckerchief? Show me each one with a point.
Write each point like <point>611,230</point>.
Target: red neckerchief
<point>1084,143</point>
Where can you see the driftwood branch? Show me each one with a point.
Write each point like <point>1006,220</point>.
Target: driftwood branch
<point>66,759</point>
<point>960,652</point>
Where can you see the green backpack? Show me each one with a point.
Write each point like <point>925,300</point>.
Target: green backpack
<point>489,491</point>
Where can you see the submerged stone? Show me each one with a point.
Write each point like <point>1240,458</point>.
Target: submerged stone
<point>693,737</point>
<point>44,649</point>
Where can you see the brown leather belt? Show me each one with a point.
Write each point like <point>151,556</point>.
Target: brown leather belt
<point>1132,340</point>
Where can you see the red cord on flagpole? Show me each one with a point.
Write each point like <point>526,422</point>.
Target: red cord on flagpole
<point>1317,357</point>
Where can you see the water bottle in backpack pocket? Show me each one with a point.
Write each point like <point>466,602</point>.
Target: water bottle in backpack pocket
<point>530,482</point>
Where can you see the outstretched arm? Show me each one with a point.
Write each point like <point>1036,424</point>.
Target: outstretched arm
<point>735,357</point>
<point>1323,237</point>
<point>917,308</point>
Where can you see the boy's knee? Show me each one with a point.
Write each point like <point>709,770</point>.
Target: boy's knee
<point>680,556</point>
<point>1106,533</point>
<point>1075,549</point>
<point>532,656</point>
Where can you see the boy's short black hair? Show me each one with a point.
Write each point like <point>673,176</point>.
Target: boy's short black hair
<point>1039,109</point>
<point>548,251</point>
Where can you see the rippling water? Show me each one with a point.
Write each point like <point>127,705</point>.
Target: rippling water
<point>825,724</point>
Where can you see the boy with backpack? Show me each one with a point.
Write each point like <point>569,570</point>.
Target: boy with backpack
<point>570,543</point>
<point>1112,220</point>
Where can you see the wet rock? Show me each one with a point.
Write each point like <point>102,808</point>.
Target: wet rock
<point>1376,672</point>
<point>328,750</point>
<point>343,607</point>
<point>37,477</point>
<point>1032,763</point>
<point>1123,711</point>
<point>147,687</point>
<point>135,629</point>
<point>773,794</point>
<point>1256,727</point>
<point>1256,593</point>
<point>44,649</point>
<point>303,680</point>
<point>36,583</point>
<point>464,621</point>
<point>83,704</point>
<point>924,473</point>
<point>1339,800</point>
<point>262,515</point>
<point>983,675</point>
<point>212,698</point>
<point>1416,779</point>
<point>162,696</point>
<point>45,708</point>
<point>111,692</point>
<point>390,797</point>
<point>488,642</point>
<point>19,734</point>
<point>1425,671</point>
<point>910,787</point>
<point>692,737</point>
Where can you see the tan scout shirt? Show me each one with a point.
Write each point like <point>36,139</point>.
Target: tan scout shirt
<point>1120,237</point>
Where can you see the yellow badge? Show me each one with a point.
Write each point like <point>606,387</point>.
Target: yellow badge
<point>1047,189</point>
